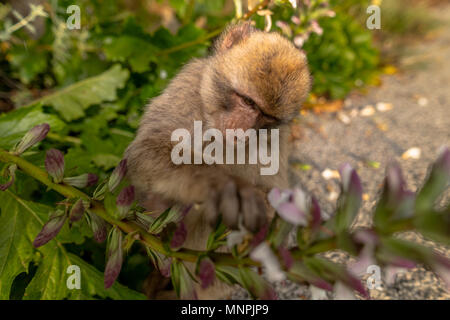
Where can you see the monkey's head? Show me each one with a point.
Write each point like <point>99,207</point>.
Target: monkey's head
<point>254,79</point>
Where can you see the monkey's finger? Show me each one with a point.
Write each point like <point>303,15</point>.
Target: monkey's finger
<point>253,209</point>
<point>229,205</point>
<point>212,213</point>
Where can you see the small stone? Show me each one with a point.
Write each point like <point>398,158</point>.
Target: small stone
<point>354,113</point>
<point>333,195</point>
<point>412,153</point>
<point>367,111</point>
<point>383,106</point>
<point>422,101</point>
<point>343,118</point>
<point>328,174</point>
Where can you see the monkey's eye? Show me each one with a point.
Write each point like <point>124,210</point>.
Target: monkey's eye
<point>248,101</point>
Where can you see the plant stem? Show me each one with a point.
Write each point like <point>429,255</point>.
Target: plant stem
<point>96,207</point>
<point>69,139</point>
<point>146,238</point>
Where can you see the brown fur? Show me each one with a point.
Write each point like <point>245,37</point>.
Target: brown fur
<point>264,67</point>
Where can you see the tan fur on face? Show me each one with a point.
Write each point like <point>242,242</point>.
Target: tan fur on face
<point>271,71</point>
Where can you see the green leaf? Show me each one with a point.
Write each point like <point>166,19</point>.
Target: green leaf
<point>256,285</point>
<point>228,274</point>
<point>17,232</point>
<point>28,62</point>
<point>216,237</point>
<point>138,52</point>
<point>182,281</point>
<point>13,125</point>
<point>437,182</point>
<point>332,272</point>
<point>20,222</point>
<point>71,101</point>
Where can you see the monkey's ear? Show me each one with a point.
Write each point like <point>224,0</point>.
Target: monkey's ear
<point>234,34</point>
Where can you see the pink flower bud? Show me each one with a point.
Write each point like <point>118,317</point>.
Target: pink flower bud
<point>286,257</point>
<point>35,135</point>
<point>179,236</point>
<point>50,229</point>
<point>98,226</point>
<point>77,211</point>
<point>124,201</point>
<point>117,175</point>
<point>288,205</point>
<point>206,272</point>
<point>54,164</point>
<point>114,256</point>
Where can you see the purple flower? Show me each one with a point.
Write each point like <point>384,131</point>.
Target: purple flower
<point>54,164</point>
<point>206,272</point>
<point>316,214</point>
<point>51,228</point>
<point>98,226</point>
<point>114,256</point>
<point>350,179</point>
<point>179,236</point>
<point>77,211</point>
<point>259,236</point>
<point>124,201</point>
<point>35,135</point>
<point>164,265</point>
<point>286,257</point>
<point>290,205</point>
<point>117,175</point>
<point>82,181</point>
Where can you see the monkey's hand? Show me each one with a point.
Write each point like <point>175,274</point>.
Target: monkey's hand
<point>237,201</point>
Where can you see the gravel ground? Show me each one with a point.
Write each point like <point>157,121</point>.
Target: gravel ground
<point>419,118</point>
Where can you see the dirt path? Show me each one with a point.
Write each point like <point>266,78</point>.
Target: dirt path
<point>419,118</point>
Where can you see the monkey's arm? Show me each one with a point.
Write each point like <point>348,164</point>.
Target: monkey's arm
<point>152,172</point>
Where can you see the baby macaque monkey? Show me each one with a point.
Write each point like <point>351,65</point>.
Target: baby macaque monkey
<point>252,80</point>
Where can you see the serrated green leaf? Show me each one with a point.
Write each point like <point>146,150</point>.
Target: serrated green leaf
<point>17,233</point>
<point>20,222</point>
<point>71,101</point>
